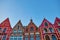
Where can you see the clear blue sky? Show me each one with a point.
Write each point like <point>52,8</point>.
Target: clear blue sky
<point>24,10</point>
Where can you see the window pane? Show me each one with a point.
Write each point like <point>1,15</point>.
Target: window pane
<point>18,27</point>
<point>46,24</point>
<point>37,37</point>
<point>31,29</point>
<point>15,31</point>
<point>20,31</point>
<point>51,30</point>
<point>15,38</point>
<point>47,37</point>
<point>59,29</point>
<point>53,37</point>
<point>4,37</point>
<point>45,30</point>
<point>31,37</point>
<point>20,37</point>
<point>4,30</point>
<point>58,23</point>
<point>0,28</point>
<point>11,38</point>
<point>26,37</point>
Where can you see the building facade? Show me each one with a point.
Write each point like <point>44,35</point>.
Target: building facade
<point>45,31</point>
<point>5,30</point>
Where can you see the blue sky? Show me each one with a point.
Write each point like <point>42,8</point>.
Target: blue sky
<point>24,10</point>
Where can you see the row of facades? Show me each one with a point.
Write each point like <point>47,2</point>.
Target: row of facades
<point>46,31</point>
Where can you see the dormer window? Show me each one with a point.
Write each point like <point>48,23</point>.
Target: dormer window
<point>31,29</point>
<point>46,24</point>
<point>58,23</point>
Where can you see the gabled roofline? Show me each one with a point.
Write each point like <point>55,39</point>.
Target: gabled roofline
<point>6,20</point>
<point>45,20</point>
<point>18,23</point>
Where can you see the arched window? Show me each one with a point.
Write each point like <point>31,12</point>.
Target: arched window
<point>46,24</point>
<point>51,30</point>
<point>45,30</point>
<point>47,37</point>
<point>31,29</point>
<point>54,37</point>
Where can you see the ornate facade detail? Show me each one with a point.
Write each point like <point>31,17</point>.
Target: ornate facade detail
<point>46,31</point>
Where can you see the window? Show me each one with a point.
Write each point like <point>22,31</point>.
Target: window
<point>15,31</point>
<point>11,38</point>
<point>20,31</point>
<point>58,23</point>
<point>18,26</point>
<point>15,37</point>
<point>4,37</point>
<point>4,30</point>
<point>47,37</point>
<point>37,37</point>
<point>0,28</point>
<point>31,29</point>
<point>26,37</point>
<point>46,24</point>
<point>59,29</point>
<point>51,30</point>
<point>54,37</point>
<point>45,30</point>
<point>31,37</point>
<point>20,37</point>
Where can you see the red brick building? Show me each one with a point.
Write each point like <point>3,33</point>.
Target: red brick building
<point>5,30</point>
<point>46,31</point>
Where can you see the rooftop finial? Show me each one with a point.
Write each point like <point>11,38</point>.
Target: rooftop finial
<point>31,20</point>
